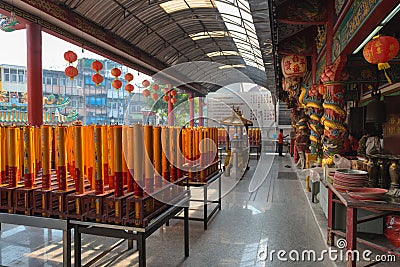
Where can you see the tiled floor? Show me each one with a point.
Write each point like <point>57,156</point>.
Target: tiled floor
<point>266,210</point>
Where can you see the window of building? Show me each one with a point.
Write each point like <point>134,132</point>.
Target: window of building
<point>6,74</point>
<point>13,75</point>
<point>48,80</point>
<point>62,81</point>
<point>21,76</point>
<point>54,81</point>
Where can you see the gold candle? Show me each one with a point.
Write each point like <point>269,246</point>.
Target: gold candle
<point>111,174</point>
<point>130,159</point>
<point>79,163</point>
<point>61,157</point>
<point>46,156</point>
<point>29,156</point>
<point>172,153</point>
<point>179,156</point>
<point>104,154</point>
<point>165,153</point>
<point>98,152</point>
<point>138,151</point>
<point>148,158</point>
<point>124,155</point>
<point>89,155</point>
<point>157,156</point>
<point>13,153</point>
<point>118,186</point>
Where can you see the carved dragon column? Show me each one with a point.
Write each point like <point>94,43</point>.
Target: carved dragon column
<point>334,113</point>
<point>313,105</point>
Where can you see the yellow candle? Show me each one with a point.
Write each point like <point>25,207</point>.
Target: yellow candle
<point>46,156</point>
<point>98,152</point>
<point>13,153</point>
<point>138,151</point>
<point>118,185</point>
<point>148,158</point>
<point>157,156</point>
<point>29,156</point>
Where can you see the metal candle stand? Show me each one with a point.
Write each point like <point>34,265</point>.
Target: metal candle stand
<point>95,205</point>
<point>140,211</point>
<point>7,198</point>
<point>115,207</point>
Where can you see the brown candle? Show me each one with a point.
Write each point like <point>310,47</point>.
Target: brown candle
<point>172,153</point>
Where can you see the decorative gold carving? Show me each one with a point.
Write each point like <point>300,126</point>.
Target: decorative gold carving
<point>321,36</point>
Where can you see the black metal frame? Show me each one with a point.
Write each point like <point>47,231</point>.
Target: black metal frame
<point>206,218</point>
<point>132,233</point>
<point>42,222</point>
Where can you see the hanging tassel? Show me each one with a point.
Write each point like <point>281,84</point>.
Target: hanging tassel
<point>384,66</point>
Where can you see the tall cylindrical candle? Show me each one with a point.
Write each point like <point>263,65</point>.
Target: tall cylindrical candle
<point>118,185</point>
<point>29,157</point>
<point>46,156</point>
<point>13,153</point>
<point>148,158</point>
<point>157,156</point>
<point>165,153</point>
<point>130,158</point>
<point>111,174</point>
<point>138,151</point>
<point>79,163</point>
<point>98,156</point>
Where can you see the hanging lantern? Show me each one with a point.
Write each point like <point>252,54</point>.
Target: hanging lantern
<point>97,78</point>
<point>166,98</point>
<point>174,92</point>
<point>294,65</point>
<point>97,66</point>
<point>115,72</point>
<point>146,92</point>
<point>174,100</point>
<point>129,88</point>
<point>70,56</point>
<point>154,96</point>
<point>380,50</point>
<point>116,84</point>
<point>71,72</point>
<point>146,83</point>
<point>128,77</point>
<point>155,87</point>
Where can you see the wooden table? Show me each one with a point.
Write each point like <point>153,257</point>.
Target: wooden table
<point>381,208</point>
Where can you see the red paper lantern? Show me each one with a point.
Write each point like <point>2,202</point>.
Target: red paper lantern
<point>146,83</point>
<point>294,65</point>
<point>174,100</point>
<point>174,92</point>
<point>71,72</point>
<point>155,87</point>
<point>128,77</point>
<point>381,49</point>
<point>129,88</point>
<point>70,56</point>
<point>116,84</point>
<point>146,92</point>
<point>154,96</point>
<point>115,72</point>
<point>166,98</point>
<point>97,78</point>
<point>97,66</point>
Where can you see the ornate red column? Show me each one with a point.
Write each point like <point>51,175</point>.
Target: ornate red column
<point>201,104</point>
<point>334,113</point>
<point>170,111</point>
<point>34,74</point>
<point>191,109</point>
